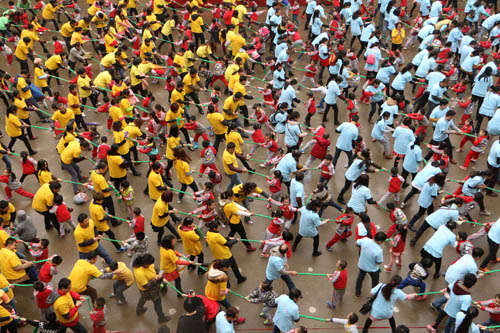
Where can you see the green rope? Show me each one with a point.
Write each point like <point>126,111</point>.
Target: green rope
<point>313,274</point>
<point>314,318</point>
<point>257,173</point>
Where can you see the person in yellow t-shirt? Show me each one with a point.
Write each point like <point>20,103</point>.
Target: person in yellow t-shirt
<point>23,52</point>
<point>67,30</point>
<point>85,87</point>
<point>197,28</point>
<point>120,140</point>
<point>170,260</point>
<point>232,213</point>
<point>148,281</point>
<point>136,77</point>
<point>218,123</point>
<point>166,31</point>
<point>13,268</point>
<point>48,14</point>
<point>53,64</point>
<point>160,216</point>
<point>221,248</point>
<point>7,214</point>
<point>103,80</point>
<point>184,175</point>
<point>13,127</point>
<point>63,116</point>
<point>23,112</point>
<point>117,166</point>
<point>87,241</point>
<point>40,77</point>
<point>44,200</point>
<point>216,288</point>
<point>191,85</point>
<point>65,308</point>
<point>100,218</point>
<point>74,104</point>
<point>70,156</point>
<point>155,182</point>
<point>83,271</point>
<point>397,37</point>
<point>191,242</point>
<point>230,164</point>
<point>123,278</point>
<point>180,61</point>
<point>147,49</point>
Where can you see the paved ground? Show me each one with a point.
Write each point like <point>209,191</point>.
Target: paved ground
<point>316,290</point>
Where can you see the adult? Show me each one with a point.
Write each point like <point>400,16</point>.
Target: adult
<point>100,219</point>
<point>43,202</point>
<point>288,166</point>
<point>360,165</point>
<point>434,247</point>
<point>493,163</point>
<point>86,240</point>
<point>66,307</point>
<point>15,129</point>
<point>148,281</point>
<point>161,214</point>
<point>277,267</point>
<point>403,135</point>
<point>361,195</point>
<point>429,171</point>
<point>333,91</point>
<point>13,268</point>
<point>308,225</point>
<point>183,171</point>
<point>287,311</point>
<point>493,244</point>
<point>241,193</point>
<point>489,104</point>
<point>385,296</point>
<point>192,320</point>
<point>225,320</point>
<point>232,213</point>
<point>370,258</point>
<point>442,132</point>
<point>348,133</point>
<point>293,134</point>
<point>117,166</point>
<point>101,185</point>
<point>429,193</point>
<point>231,165</point>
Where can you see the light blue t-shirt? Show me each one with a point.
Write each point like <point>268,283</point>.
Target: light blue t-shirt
<point>367,32</point>
<point>403,136</point>
<point>428,64</point>
<point>280,118</point>
<point>491,102</point>
<point>436,93</point>
<point>494,154</point>
<point>355,169</point>
<point>286,166</point>
<point>469,63</point>
<point>401,80</point>
<point>391,109</point>
<point>465,265</point>
<point>436,244</point>
<point>378,95</point>
<point>375,51</point>
<point>441,129</point>
<point>333,91</point>
<point>417,59</point>
<point>286,314</point>
<point>222,325</point>
<point>348,133</point>
<point>433,78</point>
<point>427,195</point>
<point>309,222</point>
<point>481,86</point>
<point>494,233</point>
<point>470,186</point>
<point>359,196</point>
<point>274,267</point>
<point>356,26</point>
<point>412,158</point>
<point>296,191</point>
<point>438,113</point>
<point>423,176</point>
<point>278,76</point>
<point>384,74</point>
<point>379,128</point>
<point>382,308</point>
<point>442,216</point>
<point>292,132</point>
<point>287,95</point>
<point>316,26</point>
<point>494,124</point>
<point>436,9</point>
<point>456,302</point>
<point>370,256</point>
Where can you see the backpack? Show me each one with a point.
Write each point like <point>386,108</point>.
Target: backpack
<point>272,118</point>
<point>400,217</point>
<point>370,59</point>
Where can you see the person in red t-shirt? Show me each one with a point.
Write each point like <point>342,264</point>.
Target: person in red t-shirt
<point>395,182</point>
<point>398,246</point>
<point>311,108</point>
<point>137,223</point>
<point>44,297</point>
<point>274,228</point>
<point>49,269</point>
<point>343,231</point>
<point>339,280</point>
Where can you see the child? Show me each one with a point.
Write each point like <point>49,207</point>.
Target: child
<point>138,245</point>
<point>264,294</point>
<point>478,147</point>
<point>310,72</point>
<point>397,249</point>
<point>98,315</point>
<point>395,182</point>
<point>29,165</point>
<point>49,269</point>
<point>128,194</point>
<point>257,137</point>
<point>215,178</point>
<point>311,108</point>
<point>204,195</point>
<point>44,297</point>
<point>208,154</point>
<point>352,105</point>
<point>208,213</point>
<point>288,210</point>
<point>49,326</point>
<point>137,223</point>
<point>468,107</point>
<point>274,228</point>
<point>285,238</point>
<point>274,186</point>
<point>464,246</point>
<point>40,251</point>
<point>199,130</point>
<point>343,231</point>
<point>267,92</point>
<point>398,217</point>
<point>272,149</point>
<point>63,214</point>
<point>339,280</point>
<point>466,129</point>
<point>349,322</point>
<point>416,276</point>
<point>12,184</point>
<point>327,170</point>
<point>261,116</point>
<point>102,150</point>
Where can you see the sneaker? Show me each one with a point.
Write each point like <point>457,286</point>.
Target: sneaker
<point>243,279</point>
<point>112,295</point>
<point>316,254</point>
<point>329,249</point>
<point>330,305</point>
<point>120,302</point>
<point>121,249</point>
<point>267,322</point>
<point>251,249</point>
<point>196,145</point>
<point>387,268</point>
<point>262,165</point>
<point>262,315</point>
<point>240,320</point>
<point>250,222</point>
<point>403,205</point>
<point>484,212</point>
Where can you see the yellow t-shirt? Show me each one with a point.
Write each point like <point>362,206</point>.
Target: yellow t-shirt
<point>119,136</point>
<point>4,283</point>
<point>103,80</point>
<point>72,150</point>
<point>74,100</point>
<point>22,84</point>
<point>13,126</point>
<point>189,83</point>
<point>22,50</point>
<point>116,114</point>
<point>235,137</point>
<point>6,221</point>
<point>63,118</point>
<point>175,118</point>
<point>134,72</point>
<point>237,42</point>
<point>83,82</point>
<point>114,162</point>
<point>62,306</point>
<point>123,273</point>
<point>229,159</point>
<point>190,241</point>
<point>166,30</point>
<point>397,36</point>
<point>204,51</point>
<point>216,243</point>
<point>66,29</point>
<point>44,177</point>
<point>43,199</point>
<point>63,141</point>
<point>158,7</point>
<point>53,62</point>
<point>99,183</point>
<point>215,119</point>
<point>143,275</point>
<point>168,260</point>
<point>3,237</point>
<point>213,290</point>
<point>108,60</point>
<point>159,209</point>
<point>40,83</point>
<point>231,212</point>
<point>172,143</point>
<point>153,21</point>
<point>9,260</point>
<point>196,25</point>
<point>230,70</point>
<point>84,234</point>
<point>182,170</point>
<point>97,214</point>
<point>181,61</point>
<point>81,274</point>
<point>48,11</point>
<point>20,104</point>
<point>154,180</point>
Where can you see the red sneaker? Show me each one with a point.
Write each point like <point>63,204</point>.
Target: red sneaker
<point>251,249</point>
<point>240,321</point>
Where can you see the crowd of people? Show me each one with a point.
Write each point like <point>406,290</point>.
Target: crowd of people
<point>151,70</point>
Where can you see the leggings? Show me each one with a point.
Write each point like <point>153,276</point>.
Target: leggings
<point>420,213</point>
<point>344,189</point>
<point>184,187</point>
<point>369,321</point>
<point>437,261</point>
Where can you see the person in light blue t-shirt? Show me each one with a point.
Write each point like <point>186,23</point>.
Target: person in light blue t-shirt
<point>434,247</point>
<point>371,256</point>
<point>348,133</point>
<point>308,225</point>
<point>224,321</point>
<point>426,198</point>
<point>287,311</point>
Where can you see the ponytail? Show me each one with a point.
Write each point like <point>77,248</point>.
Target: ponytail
<point>471,313</point>
<point>388,288</point>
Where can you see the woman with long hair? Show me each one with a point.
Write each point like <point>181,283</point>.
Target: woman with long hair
<point>426,198</point>
<point>361,195</point>
<point>463,321</point>
<point>383,305</point>
<point>43,173</point>
<point>15,129</point>
<point>184,174</point>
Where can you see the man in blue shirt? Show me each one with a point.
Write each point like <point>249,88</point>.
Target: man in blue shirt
<point>493,243</point>
<point>297,191</point>
<point>434,247</point>
<point>370,257</point>
<point>348,133</point>
<point>277,267</point>
<point>308,226</point>
<point>331,99</point>
<point>494,166</point>
<point>287,311</point>
<point>441,134</point>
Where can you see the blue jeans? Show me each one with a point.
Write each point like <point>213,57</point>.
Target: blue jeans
<point>101,252</point>
<point>233,181</point>
<point>6,160</point>
<point>225,303</point>
<point>286,278</point>
<point>438,303</point>
<point>412,282</point>
<point>450,325</point>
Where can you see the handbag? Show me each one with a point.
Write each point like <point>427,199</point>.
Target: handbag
<point>365,308</point>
